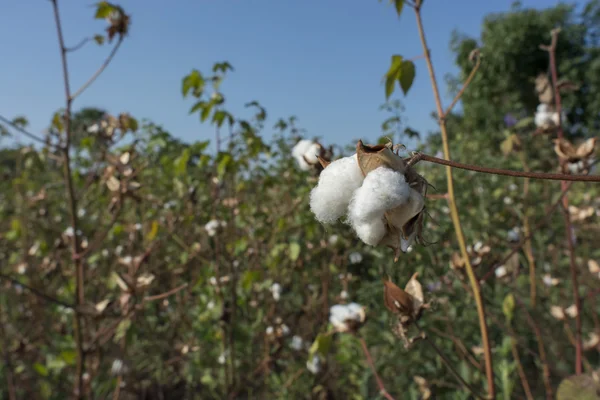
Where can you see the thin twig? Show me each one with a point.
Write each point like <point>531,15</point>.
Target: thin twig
<point>382,389</point>
<point>36,292</point>
<point>100,70</point>
<point>21,130</point>
<point>568,227</point>
<point>520,370</point>
<point>166,294</point>
<point>489,369</point>
<point>508,172</point>
<point>465,86</point>
<point>79,45</point>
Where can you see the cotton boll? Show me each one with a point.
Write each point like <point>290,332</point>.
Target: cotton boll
<point>330,198</point>
<point>312,152</point>
<point>299,150</point>
<point>543,117</point>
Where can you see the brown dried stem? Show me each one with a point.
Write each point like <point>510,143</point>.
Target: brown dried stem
<point>568,227</point>
<point>508,172</point>
<point>99,71</point>
<point>454,210</point>
<point>380,384</point>
<point>72,201</point>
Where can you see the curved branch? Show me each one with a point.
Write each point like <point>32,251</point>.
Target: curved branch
<point>78,45</point>
<point>36,292</point>
<point>508,172</point>
<point>465,86</point>
<point>21,130</point>
<point>99,71</point>
<point>380,384</point>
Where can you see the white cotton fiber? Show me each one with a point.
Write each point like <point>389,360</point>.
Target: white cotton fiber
<point>312,152</point>
<point>300,150</point>
<point>382,189</point>
<point>370,231</point>
<point>330,198</point>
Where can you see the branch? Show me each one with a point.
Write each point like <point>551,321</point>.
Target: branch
<point>166,294</point>
<point>36,292</point>
<point>99,71</point>
<point>508,172</point>
<point>72,202</point>
<point>465,86</point>
<point>568,226</point>
<point>78,45</point>
<point>21,130</point>
<point>380,384</point>
<point>489,369</point>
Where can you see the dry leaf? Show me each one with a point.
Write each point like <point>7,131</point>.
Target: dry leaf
<point>593,266</point>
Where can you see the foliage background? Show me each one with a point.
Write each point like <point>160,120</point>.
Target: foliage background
<point>209,340</point>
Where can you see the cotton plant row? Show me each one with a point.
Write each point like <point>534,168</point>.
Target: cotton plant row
<point>377,193</point>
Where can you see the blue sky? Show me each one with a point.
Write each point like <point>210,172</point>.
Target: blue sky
<point>321,60</point>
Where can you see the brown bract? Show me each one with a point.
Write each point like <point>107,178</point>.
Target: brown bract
<point>567,151</point>
<point>405,222</point>
<point>407,305</point>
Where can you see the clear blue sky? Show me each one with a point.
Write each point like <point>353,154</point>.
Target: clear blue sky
<point>321,60</point>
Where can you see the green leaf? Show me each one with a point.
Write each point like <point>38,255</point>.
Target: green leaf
<point>40,369</point>
<point>21,122</point>
<point>219,117</point>
<point>249,277</point>
<point>104,9</point>
<point>398,4</point>
<point>294,251</point>
<point>181,162</point>
<point>122,329</point>
<point>195,81</point>
<point>321,345</point>
<point>57,122</point>
<point>223,164</point>
<point>508,307</point>
<point>206,112</point>
<point>198,106</point>
<point>153,231</point>
<point>99,39</point>
<point>392,75</point>
<point>69,356</point>
<point>222,66</point>
<point>579,387</point>
<point>407,75</point>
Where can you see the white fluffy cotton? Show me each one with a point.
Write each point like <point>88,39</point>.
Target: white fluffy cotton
<point>545,118</point>
<point>329,200</point>
<point>340,314</point>
<point>383,189</point>
<point>306,150</point>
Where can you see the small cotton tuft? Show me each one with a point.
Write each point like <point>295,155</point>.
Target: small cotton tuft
<point>337,183</point>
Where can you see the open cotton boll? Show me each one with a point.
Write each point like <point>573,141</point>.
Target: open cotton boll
<point>330,198</point>
<point>382,189</point>
<point>299,150</point>
<point>312,152</point>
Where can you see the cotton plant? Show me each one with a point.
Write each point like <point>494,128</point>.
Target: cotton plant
<point>213,226</point>
<point>377,193</point>
<point>307,154</point>
<point>347,317</point>
<point>547,118</point>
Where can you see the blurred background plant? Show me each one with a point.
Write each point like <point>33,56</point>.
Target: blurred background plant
<point>151,268</point>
